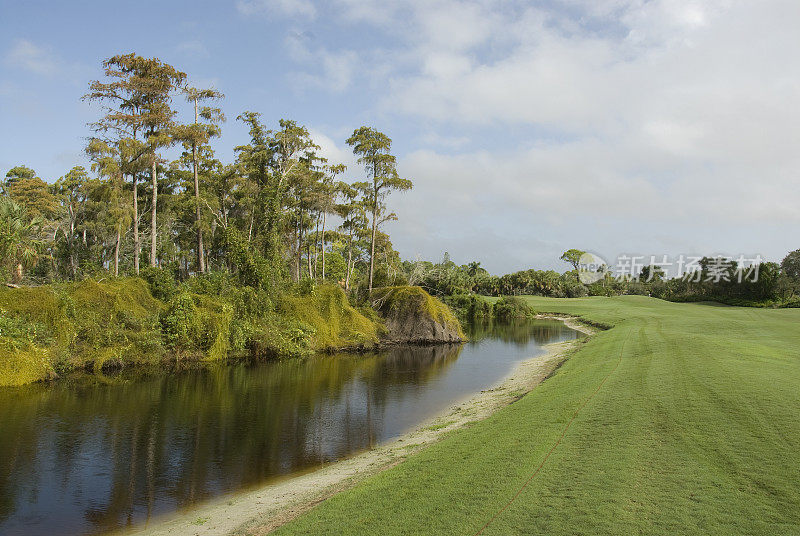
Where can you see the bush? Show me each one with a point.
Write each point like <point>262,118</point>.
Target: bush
<point>162,282</point>
<point>196,323</point>
<point>402,298</point>
<point>511,308</point>
<point>469,306</point>
<point>334,321</point>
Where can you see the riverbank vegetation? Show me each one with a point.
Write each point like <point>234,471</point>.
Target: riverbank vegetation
<point>50,330</point>
<point>680,418</point>
<point>161,251</point>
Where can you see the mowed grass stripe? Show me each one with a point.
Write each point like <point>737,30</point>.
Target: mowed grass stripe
<point>696,432</point>
<point>555,445</point>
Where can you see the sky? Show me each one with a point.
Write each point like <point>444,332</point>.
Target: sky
<point>636,127</point>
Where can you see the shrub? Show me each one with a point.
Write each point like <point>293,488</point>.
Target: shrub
<point>512,307</point>
<point>196,323</point>
<point>163,284</point>
<point>334,321</point>
<point>469,306</point>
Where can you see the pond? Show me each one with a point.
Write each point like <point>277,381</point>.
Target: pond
<point>90,455</point>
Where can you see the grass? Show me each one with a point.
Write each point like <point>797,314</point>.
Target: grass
<point>695,430</point>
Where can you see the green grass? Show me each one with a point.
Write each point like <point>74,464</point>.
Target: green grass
<point>695,431</point>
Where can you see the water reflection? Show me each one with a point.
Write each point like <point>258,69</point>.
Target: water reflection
<point>89,456</point>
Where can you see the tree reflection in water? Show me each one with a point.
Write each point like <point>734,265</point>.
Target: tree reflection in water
<point>91,455</point>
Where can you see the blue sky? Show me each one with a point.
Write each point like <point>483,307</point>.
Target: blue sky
<point>618,126</point>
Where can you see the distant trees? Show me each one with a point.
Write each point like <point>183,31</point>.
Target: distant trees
<point>573,257</point>
<point>791,265</point>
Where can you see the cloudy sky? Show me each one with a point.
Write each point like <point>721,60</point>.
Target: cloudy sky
<point>617,126</point>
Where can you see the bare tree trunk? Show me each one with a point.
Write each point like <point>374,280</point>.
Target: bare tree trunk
<point>137,244</point>
<point>323,246</point>
<point>308,255</point>
<point>349,261</point>
<point>71,243</point>
<point>372,247</point>
<point>316,248</point>
<point>153,228</point>
<point>200,260</point>
<point>299,247</point>
<point>200,252</point>
<point>116,252</point>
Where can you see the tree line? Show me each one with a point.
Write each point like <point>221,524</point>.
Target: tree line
<point>776,284</point>
<point>264,217</point>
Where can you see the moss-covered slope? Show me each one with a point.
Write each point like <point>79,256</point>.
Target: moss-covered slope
<point>46,331</point>
<point>414,316</point>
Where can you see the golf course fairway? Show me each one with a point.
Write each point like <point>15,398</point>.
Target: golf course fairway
<point>679,419</point>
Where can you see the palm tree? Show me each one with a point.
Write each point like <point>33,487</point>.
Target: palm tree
<point>20,245</point>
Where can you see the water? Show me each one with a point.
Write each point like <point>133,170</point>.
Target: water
<point>90,455</point>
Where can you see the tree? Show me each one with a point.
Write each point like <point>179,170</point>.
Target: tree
<point>194,136</point>
<point>354,219</point>
<point>19,172</point>
<point>790,265</point>
<point>327,191</point>
<point>573,257</point>
<point>116,213</point>
<point>373,150</point>
<point>20,242</point>
<point>135,100</point>
<point>71,189</point>
<point>652,273</point>
<point>29,191</point>
<point>161,80</point>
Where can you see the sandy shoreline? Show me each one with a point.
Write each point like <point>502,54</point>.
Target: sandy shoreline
<point>260,510</point>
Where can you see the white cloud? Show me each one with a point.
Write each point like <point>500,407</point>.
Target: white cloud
<point>31,57</point>
<point>286,7</point>
<point>193,48</point>
<point>662,118</point>
<point>334,153</point>
<point>332,71</point>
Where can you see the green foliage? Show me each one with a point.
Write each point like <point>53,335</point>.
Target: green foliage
<point>330,319</point>
<point>193,323</point>
<point>790,265</point>
<point>22,363</point>
<point>20,242</point>
<point>80,324</point>
<point>163,284</point>
<point>469,306</point>
<point>573,257</point>
<point>250,266</point>
<point>512,308</point>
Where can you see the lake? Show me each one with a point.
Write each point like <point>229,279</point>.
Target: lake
<point>88,455</point>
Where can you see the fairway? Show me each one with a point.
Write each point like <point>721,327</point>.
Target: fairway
<point>680,419</point>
